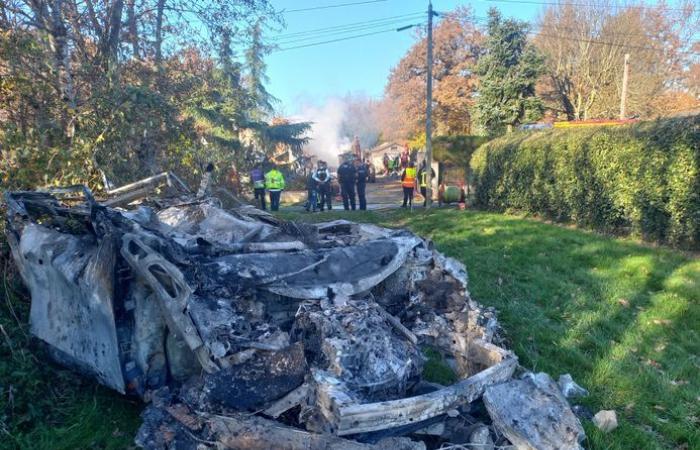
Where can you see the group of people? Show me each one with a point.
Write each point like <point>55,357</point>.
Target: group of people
<point>272,181</point>
<point>393,166</point>
<point>352,178</point>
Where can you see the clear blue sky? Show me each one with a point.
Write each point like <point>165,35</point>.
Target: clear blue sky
<point>310,75</point>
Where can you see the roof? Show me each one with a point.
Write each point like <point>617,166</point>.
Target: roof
<point>385,146</point>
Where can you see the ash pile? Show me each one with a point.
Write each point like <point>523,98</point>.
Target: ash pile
<point>244,331</point>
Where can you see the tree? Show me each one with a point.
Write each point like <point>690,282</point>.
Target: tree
<point>257,77</point>
<point>457,45</point>
<point>508,72</point>
<point>585,48</point>
<point>127,88</point>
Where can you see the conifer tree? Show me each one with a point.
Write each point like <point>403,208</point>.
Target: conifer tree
<point>508,72</point>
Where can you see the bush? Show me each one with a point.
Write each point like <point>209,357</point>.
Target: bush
<point>454,154</point>
<point>641,179</point>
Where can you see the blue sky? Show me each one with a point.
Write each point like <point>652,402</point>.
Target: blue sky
<point>313,74</point>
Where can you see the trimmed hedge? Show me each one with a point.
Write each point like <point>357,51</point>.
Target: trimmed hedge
<point>641,179</point>
<point>456,150</point>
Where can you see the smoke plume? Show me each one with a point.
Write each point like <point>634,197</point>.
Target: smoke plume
<point>335,124</point>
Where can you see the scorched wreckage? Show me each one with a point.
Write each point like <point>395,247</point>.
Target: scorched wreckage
<point>242,330</point>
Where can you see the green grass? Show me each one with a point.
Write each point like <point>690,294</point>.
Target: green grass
<point>623,318</point>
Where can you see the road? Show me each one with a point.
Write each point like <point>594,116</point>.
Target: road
<point>384,194</point>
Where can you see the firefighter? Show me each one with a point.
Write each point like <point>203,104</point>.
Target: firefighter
<point>322,177</point>
<point>362,171</point>
<point>423,179</point>
<point>346,177</point>
<point>274,182</point>
<point>408,182</point>
<point>257,176</point>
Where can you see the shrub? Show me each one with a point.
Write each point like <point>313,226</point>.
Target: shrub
<point>641,179</point>
<point>454,154</point>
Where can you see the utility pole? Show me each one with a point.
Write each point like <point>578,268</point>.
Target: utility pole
<point>625,79</point>
<point>429,113</point>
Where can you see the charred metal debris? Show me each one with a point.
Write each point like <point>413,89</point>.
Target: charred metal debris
<point>244,331</point>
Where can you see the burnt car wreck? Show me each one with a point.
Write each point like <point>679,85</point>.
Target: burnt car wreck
<point>244,331</point>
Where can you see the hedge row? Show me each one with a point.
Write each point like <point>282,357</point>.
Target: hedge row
<point>641,179</point>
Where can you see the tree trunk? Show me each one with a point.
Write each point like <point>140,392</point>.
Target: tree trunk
<point>58,41</point>
<point>159,33</point>
<point>111,43</point>
<point>133,28</point>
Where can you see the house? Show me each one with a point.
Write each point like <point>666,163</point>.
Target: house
<point>375,155</point>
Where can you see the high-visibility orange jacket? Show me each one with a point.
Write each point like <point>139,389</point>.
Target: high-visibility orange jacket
<point>409,177</point>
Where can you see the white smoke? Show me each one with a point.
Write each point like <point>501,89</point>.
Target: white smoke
<point>326,141</point>
<point>335,122</point>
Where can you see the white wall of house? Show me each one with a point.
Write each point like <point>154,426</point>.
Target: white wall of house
<point>376,154</point>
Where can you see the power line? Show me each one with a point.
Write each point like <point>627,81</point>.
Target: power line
<point>586,5</point>
<point>395,24</point>
<point>536,29</point>
<point>314,8</point>
<point>595,41</point>
<point>347,27</point>
<point>313,44</point>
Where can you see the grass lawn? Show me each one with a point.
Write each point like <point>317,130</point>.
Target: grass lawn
<point>622,318</point>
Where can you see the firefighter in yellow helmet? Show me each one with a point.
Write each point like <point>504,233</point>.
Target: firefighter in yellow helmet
<point>274,182</point>
<point>408,182</point>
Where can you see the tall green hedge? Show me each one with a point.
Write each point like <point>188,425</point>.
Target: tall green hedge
<point>641,179</point>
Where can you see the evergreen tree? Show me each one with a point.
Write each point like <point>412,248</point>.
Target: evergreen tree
<point>262,101</point>
<point>508,73</point>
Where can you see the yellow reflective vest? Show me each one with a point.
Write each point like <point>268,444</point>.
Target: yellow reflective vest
<point>274,180</point>
<point>409,178</point>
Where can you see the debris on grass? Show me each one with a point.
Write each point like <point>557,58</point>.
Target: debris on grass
<point>605,420</point>
<point>569,387</point>
<point>243,330</point>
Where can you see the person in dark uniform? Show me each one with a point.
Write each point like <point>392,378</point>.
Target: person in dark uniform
<point>346,177</point>
<point>423,181</point>
<point>312,193</point>
<point>362,174</point>
<point>257,176</point>
<point>322,177</point>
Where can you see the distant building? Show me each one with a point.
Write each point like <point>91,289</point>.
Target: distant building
<point>375,156</point>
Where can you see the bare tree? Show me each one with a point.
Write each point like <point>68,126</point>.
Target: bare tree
<point>585,50</point>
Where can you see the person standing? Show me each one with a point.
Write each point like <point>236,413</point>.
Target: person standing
<point>258,178</point>
<point>404,158</point>
<point>408,182</point>
<point>423,180</point>
<point>322,177</point>
<point>362,174</point>
<point>311,193</point>
<point>385,162</point>
<point>346,177</point>
<point>274,182</point>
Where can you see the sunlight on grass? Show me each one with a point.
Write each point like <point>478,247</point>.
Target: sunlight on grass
<point>621,317</point>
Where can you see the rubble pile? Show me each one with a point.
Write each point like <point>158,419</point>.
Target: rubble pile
<point>245,331</point>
